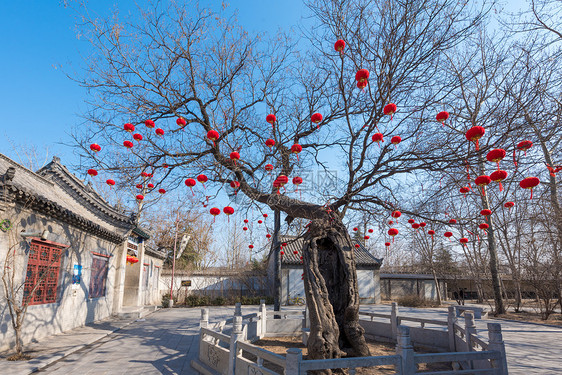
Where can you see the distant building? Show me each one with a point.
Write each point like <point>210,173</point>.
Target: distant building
<point>82,243</point>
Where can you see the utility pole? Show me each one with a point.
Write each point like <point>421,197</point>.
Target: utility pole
<point>277,260</point>
<point>174,261</point>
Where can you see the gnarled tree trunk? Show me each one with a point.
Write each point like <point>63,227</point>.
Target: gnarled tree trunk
<point>332,294</point>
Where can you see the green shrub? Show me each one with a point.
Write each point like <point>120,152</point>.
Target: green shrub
<point>413,300</point>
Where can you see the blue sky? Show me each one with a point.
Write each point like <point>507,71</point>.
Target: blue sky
<point>39,104</point>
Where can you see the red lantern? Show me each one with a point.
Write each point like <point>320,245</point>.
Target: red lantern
<point>411,221</point>
<point>162,191</point>
<point>149,124</point>
<point>277,185</point>
<point>396,214</point>
<point>415,226</point>
<point>128,144</point>
<point>215,212</point>
<point>485,212</point>
<point>139,198</point>
<point>366,237</point>
<point>339,45</point>
<point>283,179</point>
<point>387,244</point>
<point>139,186</point>
<point>181,122</point>
<point>431,232</point>
<point>442,117</point>
<point>268,167</point>
<point>129,127</point>
<point>95,147</point>
<point>202,179</point>
<point>357,246</point>
<point>362,75</point>
<point>464,190</point>
<point>235,185</point>
<point>281,253</point>
<point>234,156</point>
<point>317,119</point>
<point>390,222</point>
<point>150,186</point>
<point>452,221</point>
<point>259,221</point>
<point>393,232</point>
<point>463,241</point>
<point>110,182</point>
<point>496,155</point>
<point>144,174</point>
<point>395,140</point>
<point>482,181</point>
<point>370,231</point>
<point>448,235</point>
<point>296,149</point>
<point>268,236</point>
<point>213,135</point>
<point>137,137</point>
<point>422,224</point>
<point>390,110</point>
<point>245,228</point>
<point>246,221</point>
<point>362,85</point>
<point>377,137</point>
<point>529,183</point>
<point>474,134</point>
<point>297,181</point>
<point>270,143</point>
<point>228,211</point>
<point>524,146</point>
<point>509,205</point>
<point>92,172</point>
<point>190,182</point>
<point>159,132</point>
<point>499,176</point>
<point>271,119</point>
<point>250,247</point>
<point>483,226</point>
<point>265,216</point>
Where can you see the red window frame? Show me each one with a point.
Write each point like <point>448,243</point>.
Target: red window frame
<point>43,269</point>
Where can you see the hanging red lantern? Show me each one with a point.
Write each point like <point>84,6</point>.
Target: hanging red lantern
<point>165,166</point>
<point>149,124</point>
<point>268,236</point>
<point>296,149</point>
<point>390,109</point>
<point>390,222</point>
<point>317,119</point>
<point>259,221</point>
<point>190,182</point>
<point>250,247</point>
<point>362,75</point>
<point>411,221</point>
<point>268,167</point>
<point>393,232</point>
<point>524,146</point>
<point>395,140</point>
<point>297,181</point>
<point>129,127</point>
<point>496,155</point>
<point>387,244</point>
<point>159,132</point>
<point>463,241</point>
<point>277,185</point>
<point>485,212</point>
<point>270,143</point>
<point>234,156</point>
<point>162,191</point>
<point>483,181</point>
<point>110,182</point>
<point>139,186</point>
<point>265,216</point>
<point>139,198</point>
<point>431,232</point>
<point>271,119</point>
<point>448,235</point>
<point>245,228</point>
<point>235,185</point>
<point>246,221</point>
<point>499,176</point>
<point>213,135</point>
<point>529,183</point>
<point>128,144</point>
<point>202,179</point>
<point>362,85</point>
<point>283,179</point>
<point>339,45</point>
<point>415,226</point>
<point>137,137</point>
<point>423,224</point>
<point>181,122</point>
<point>355,229</point>
<point>215,212</point>
<point>442,117</point>
<point>474,134</point>
<point>464,190</point>
<point>92,172</point>
<point>509,205</point>
<point>366,237</point>
<point>357,246</point>
<point>452,221</point>
<point>377,137</point>
<point>483,226</point>
<point>150,186</point>
<point>144,174</point>
<point>281,253</point>
<point>228,211</point>
<point>370,231</point>
<point>396,214</point>
<point>95,147</point>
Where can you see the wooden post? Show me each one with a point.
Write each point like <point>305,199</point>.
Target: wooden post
<point>263,319</point>
<point>451,320</point>
<point>394,320</point>
<point>495,342</point>
<point>405,350</point>
<point>236,335</point>
<point>293,361</point>
<point>238,309</point>
<point>204,322</point>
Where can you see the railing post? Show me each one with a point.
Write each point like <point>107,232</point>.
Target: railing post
<point>293,361</point>
<point>236,335</point>
<point>263,319</point>
<point>394,320</point>
<point>204,322</point>
<point>238,309</point>
<point>405,350</point>
<point>495,342</point>
<point>451,320</point>
<point>470,329</point>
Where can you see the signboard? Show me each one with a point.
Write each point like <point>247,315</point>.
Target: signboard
<point>76,275</point>
<point>186,283</point>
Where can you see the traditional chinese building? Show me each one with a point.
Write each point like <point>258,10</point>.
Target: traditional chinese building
<point>74,257</point>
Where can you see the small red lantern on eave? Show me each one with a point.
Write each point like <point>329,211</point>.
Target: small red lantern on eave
<point>396,214</point>
<point>442,117</point>
<point>483,226</point>
<point>508,205</point>
<point>395,140</point>
<point>137,137</point>
<point>390,109</point>
<point>411,221</point>
<point>162,191</point>
<point>317,119</point>
<point>499,176</point>
<point>271,119</point>
<point>296,149</point>
<point>483,181</point>
<point>139,197</point>
<point>128,144</point>
<point>393,232</point>
<point>95,147</point>
<point>190,182</point>
<point>215,212</point>
<point>524,146</point>
<point>362,75</point>
<point>159,132</point>
<point>281,253</point>
<point>339,45</point>
<point>213,135</point>
<point>474,134</point>
<point>228,211</point>
<point>270,143</point>
<point>92,172</point>
<point>181,122</point>
<point>485,212</point>
<point>529,183</point>
<point>452,221</point>
<point>110,182</point>
<point>464,190</point>
<point>149,124</point>
<point>129,127</point>
<point>377,137</point>
<point>496,155</point>
<point>234,156</point>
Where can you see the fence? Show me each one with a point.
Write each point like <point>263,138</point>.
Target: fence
<point>233,354</point>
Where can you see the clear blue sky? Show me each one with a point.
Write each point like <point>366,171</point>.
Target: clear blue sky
<point>38,103</point>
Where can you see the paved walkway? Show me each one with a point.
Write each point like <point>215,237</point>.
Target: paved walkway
<point>165,341</point>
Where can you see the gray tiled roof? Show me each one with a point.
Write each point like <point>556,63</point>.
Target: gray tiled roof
<point>361,254</point>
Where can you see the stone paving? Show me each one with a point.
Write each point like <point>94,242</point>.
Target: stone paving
<point>165,341</point>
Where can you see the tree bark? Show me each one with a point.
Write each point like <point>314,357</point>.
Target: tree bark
<point>332,293</point>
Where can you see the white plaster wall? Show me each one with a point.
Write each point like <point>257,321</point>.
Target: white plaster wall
<point>366,283</point>
<point>295,285</point>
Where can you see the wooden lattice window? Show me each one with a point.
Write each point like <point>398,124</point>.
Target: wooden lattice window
<point>43,269</point>
<point>98,276</point>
